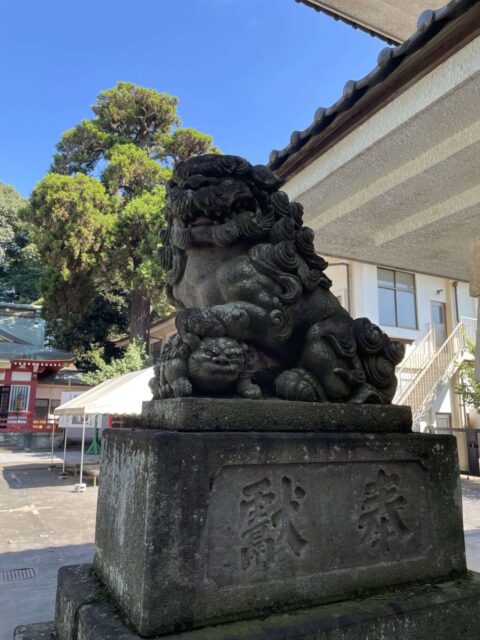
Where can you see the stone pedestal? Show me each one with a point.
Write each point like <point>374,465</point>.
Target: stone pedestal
<point>445,611</point>
<point>199,528</point>
<point>271,514</point>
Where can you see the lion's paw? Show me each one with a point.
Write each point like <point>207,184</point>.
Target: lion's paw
<point>164,391</point>
<point>298,384</point>
<point>246,389</point>
<point>201,322</point>
<point>182,388</point>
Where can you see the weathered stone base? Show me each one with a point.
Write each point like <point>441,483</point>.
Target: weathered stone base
<point>224,414</point>
<point>446,611</point>
<point>246,530</point>
<point>199,529</point>
<point>37,631</point>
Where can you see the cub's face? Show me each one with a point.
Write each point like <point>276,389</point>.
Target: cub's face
<point>216,363</point>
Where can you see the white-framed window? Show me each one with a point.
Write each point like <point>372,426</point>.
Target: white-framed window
<point>41,408</point>
<point>19,397</point>
<point>21,376</point>
<point>54,403</point>
<point>443,420</point>
<point>396,298</point>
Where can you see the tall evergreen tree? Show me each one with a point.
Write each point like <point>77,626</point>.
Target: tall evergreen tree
<point>20,269</point>
<point>98,213</point>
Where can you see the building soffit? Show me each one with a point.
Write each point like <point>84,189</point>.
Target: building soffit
<point>389,20</point>
<point>394,181</point>
<point>402,189</point>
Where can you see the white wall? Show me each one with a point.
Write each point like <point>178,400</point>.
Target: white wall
<point>467,306</point>
<point>442,403</point>
<point>364,303</point>
<point>339,274</point>
<point>364,297</point>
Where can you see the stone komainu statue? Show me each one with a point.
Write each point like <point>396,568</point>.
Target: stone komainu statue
<point>256,317</point>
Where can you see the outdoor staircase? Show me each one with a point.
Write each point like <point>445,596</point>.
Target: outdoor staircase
<point>426,369</point>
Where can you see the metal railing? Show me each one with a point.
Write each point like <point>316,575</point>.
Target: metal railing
<point>438,369</point>
<point>414,363</point>
<point>470,327</point>
<point>26,422</point>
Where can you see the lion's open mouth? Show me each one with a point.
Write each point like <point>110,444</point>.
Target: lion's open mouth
<point>202,221</point>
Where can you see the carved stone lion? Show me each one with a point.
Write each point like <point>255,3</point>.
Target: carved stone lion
<point>241,265</point>
<point>204,365</point>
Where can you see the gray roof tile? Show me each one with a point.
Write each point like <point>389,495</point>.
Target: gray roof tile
<point>11,350</point>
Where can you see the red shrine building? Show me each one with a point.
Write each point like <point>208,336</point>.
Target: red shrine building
<point>34,379</point>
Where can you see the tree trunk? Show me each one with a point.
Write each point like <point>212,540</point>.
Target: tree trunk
<point>139,317</point>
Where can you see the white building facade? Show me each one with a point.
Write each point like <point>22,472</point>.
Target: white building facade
<point>388,176</point>
<point>431,315</point>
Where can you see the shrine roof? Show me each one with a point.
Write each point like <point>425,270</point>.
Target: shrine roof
<point>14,351</point>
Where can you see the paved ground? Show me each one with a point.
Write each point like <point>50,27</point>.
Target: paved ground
<point>471,521</point>
<point>44,524</point>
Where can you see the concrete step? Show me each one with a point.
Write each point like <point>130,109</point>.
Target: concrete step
<point>40,631</point>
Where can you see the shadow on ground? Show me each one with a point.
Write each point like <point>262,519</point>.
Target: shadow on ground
<point>35,475</point>
<point>32,599</point>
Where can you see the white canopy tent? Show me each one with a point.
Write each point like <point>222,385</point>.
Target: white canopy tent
<point>118,396</point>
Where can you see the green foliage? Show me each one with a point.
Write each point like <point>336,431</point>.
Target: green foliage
<point>85,318</point>
<point>97,218</point>
<point>131,172</point>
<point>73,220</point>
<point>136,114</point>
<point>469,386</point>
<point>186,143</point>
<point>129,115</point>
<point>80,149</point>
<point>10,204</point>
<point>138,227</point>
<point>20,269</point>
<point>133,359</point>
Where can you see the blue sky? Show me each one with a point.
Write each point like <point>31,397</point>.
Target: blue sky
<point>248,72</point>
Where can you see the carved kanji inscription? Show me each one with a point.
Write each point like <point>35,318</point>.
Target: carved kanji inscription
<point>280,522</point>
<point>267,522</point>
<point>382,519</point>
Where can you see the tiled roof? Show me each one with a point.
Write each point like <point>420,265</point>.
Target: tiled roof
<point>429,24</point>
<point>14,351</point>
<point>10,337</point>
<point>8,306</point>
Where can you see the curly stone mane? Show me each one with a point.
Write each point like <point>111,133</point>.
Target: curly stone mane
<point>241,265</point>
<point>243,203</point>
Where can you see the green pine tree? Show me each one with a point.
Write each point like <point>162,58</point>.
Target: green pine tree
<point>97,216</point>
